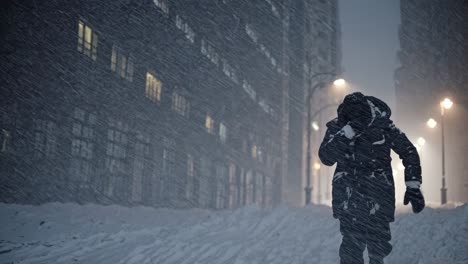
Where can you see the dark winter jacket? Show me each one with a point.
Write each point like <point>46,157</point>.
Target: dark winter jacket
<point>363,182</point>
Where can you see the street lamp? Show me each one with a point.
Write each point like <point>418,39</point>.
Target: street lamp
<point>431,123</point>
<point>317,166</point>
<point>315,126</point>
<point>421,141</point>
<point>446,104</point>
<point>339,83</point>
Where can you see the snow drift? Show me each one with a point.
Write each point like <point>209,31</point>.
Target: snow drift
<point>70,233</point>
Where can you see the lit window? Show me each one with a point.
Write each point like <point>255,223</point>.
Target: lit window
<point>122,64</point>
<point>180,104</point>
<point>153,88</point>
<point>222,132</point>
<point>209,124</point>
<point>254,151</point>
<point>87,40</point>
<point>163,5</point>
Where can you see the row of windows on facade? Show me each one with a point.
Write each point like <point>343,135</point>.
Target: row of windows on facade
<point>83,132</point>
<point>254,37</point>
<point>210,52</point>
<point>83,142</point>
<point>116,161</point>
<point>164,6</point>
<point>228,188</point>
<point>123,63</point>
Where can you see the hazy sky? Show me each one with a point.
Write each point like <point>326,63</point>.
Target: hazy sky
<point>370,42</point>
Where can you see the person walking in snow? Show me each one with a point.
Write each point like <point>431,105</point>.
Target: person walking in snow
<point>360,140</point>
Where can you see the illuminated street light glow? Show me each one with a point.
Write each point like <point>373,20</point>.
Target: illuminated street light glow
<point>316,166</point>
<point>446,103</point>
<point>315,126</point>
<point>421,141</point>
<point>431,123</point>
<point>340,83</point>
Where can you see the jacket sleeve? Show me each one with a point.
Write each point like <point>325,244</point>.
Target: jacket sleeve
<point>407,153</point>
<point>334,144</point>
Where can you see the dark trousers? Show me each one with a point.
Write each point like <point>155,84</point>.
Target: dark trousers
<point>359,233</point>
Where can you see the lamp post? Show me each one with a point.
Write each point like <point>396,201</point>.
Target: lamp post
<point>310,126</point>
<point>446,104</point>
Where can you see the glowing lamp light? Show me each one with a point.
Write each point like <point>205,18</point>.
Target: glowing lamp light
<point>339,82</point>
<point>315,126</point>
<point>446,103</point>
<point>421,141</point>
<point>316,166</point>
<point>431,123</point>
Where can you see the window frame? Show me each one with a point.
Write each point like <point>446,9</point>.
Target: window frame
<point>222,128</point>
<point>209,123</point>
<point>180,104</point>
<point>122,63</point>
<point>83,142</point>
<point>153,91</point>
<point>88,48</point>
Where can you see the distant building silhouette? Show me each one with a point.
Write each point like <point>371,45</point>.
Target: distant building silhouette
<point>434,63</point>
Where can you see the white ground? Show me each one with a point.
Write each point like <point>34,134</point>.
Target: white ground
<point>69,233</point>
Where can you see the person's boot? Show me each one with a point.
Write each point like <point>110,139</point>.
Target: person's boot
<point>376,260</point>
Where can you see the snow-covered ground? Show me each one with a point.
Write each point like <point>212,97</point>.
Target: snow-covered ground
<point>70,233</point>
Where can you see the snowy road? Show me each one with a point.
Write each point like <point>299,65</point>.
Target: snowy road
<point>68,233</point>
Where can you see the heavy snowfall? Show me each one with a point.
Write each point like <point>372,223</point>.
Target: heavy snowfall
<point>189,132</point>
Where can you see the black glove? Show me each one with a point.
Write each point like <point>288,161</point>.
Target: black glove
<point>416,198</point>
